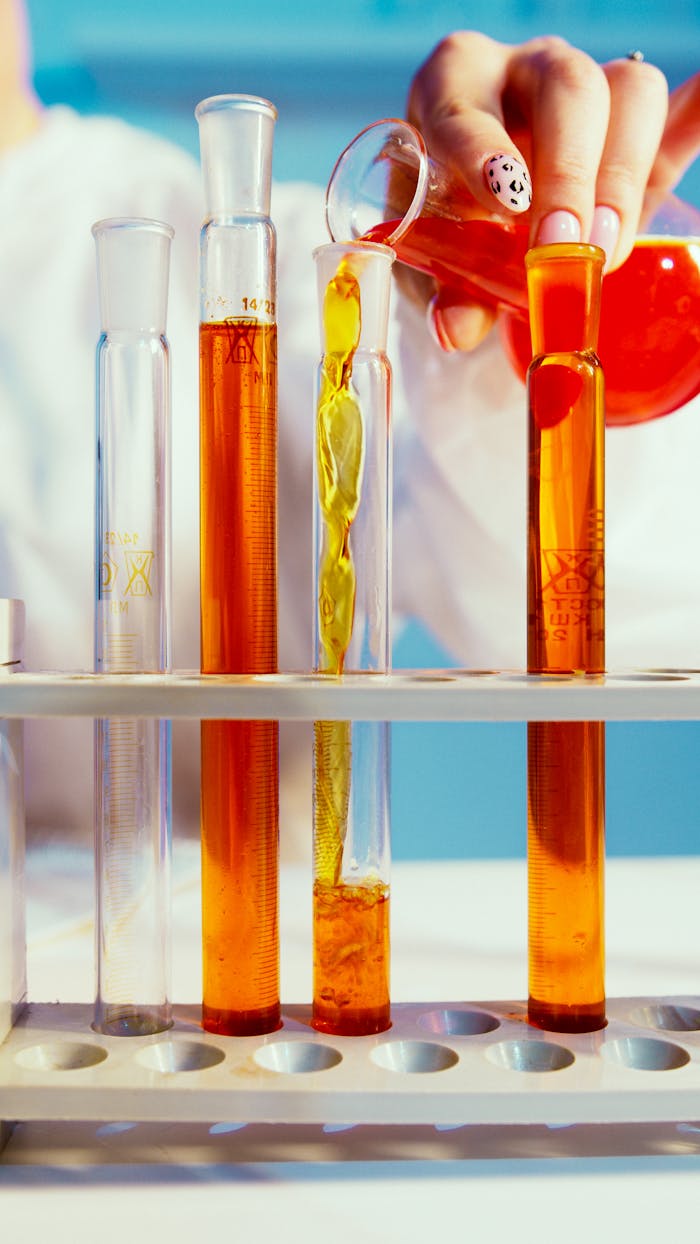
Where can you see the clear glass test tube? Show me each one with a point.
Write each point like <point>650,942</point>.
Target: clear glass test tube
<point>238,510</point>
<point>132,545</point>
<point>352,486</point>
<point>566,635</point>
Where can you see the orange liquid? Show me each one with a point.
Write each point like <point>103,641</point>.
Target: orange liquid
<point>649,341</point>
<point>566,951</point>
<point>566,558</point>
<point>566,633</point>
<point>351,959</point>
<point>238,486</point>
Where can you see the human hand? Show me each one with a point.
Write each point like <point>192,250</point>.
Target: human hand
<point>593,140</point>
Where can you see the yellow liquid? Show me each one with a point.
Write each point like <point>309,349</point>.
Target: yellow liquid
<point>351,930</point>
<point>339,440</point>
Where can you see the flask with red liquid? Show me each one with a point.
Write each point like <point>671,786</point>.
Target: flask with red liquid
<point>385,187</point>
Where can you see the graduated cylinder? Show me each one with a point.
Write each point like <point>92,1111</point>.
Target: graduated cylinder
<point>132,634</point>
<point>238,545</point>
<point>352,485</point>
<point>566,634</point>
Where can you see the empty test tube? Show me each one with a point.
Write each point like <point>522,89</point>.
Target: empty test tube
<point>132,755</point>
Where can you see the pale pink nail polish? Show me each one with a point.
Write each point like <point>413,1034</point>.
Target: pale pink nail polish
<point>559,226</point>
<point>605,229</point>
<point>509,180</point>
<point>436,327</point>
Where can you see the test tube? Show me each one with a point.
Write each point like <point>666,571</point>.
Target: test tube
<point>353,606</point>
<point>566,635</point>
<point>238,535</point>
<point>13,938</point>
<point>132,546</point>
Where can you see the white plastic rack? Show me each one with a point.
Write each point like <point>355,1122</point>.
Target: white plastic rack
<point>440,1062</point>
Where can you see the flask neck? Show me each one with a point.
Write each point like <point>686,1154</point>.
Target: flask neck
<point>235,137</point>
<point>564,287</point>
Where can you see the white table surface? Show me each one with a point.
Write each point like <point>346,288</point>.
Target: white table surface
<point>458,932</point>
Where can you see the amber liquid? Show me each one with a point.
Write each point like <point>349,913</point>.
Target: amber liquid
<point>351,958</point>
<point>565,814</point>
<point>238,488</point>
<point>566,633</point>
<point>350,920</point>
<point>649,341</point>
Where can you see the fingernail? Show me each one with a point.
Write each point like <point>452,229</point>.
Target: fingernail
<point>559,226</point>
<point>436,326</point>
<point>509,180</point>
<point>605,229</point>
<point>457,326</point>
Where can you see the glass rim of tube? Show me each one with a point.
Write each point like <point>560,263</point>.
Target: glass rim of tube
<point>249,103</point>
<point>146,223</point>
<point>355,247</point>
<point>554,251</point>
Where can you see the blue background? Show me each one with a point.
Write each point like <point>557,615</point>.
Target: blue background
<point>458,790</point>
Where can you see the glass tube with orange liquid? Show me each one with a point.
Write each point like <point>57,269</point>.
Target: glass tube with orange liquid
<point>566,635</point>
<point>353,605</point>
<point>238,563</point>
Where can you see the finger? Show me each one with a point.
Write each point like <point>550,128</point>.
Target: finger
<point>638,108</point>
<point>456,325</point>
<point>680,144</point>
<point>563,96</point>
<point>455,101</point>
<point>453,322</point>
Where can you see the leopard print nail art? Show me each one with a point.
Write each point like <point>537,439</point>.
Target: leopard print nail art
<point>510,181</point>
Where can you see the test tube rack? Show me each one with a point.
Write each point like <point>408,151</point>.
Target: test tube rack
<point>441,1063</point>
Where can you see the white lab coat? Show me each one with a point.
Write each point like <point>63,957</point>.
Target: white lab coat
<point>459,531</point>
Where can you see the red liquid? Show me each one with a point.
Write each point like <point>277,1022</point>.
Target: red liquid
<point>238,485</point>
<point>650,318</point>
<point>481,257</point>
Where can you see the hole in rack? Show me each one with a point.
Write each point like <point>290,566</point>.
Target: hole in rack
<point>172,1056</point>
<point>667,1017</point>
<point>413,1057</point>
<point>294,1057</point>
<point>455,1023</point>
<point>530,1056</point>
<point>426,677</point>
<point>645,1054</point>
<point>684,673</point>
<point>60,1056</point>
<point>651,676</point>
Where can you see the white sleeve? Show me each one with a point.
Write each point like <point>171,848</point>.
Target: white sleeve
<point>459,515</point>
